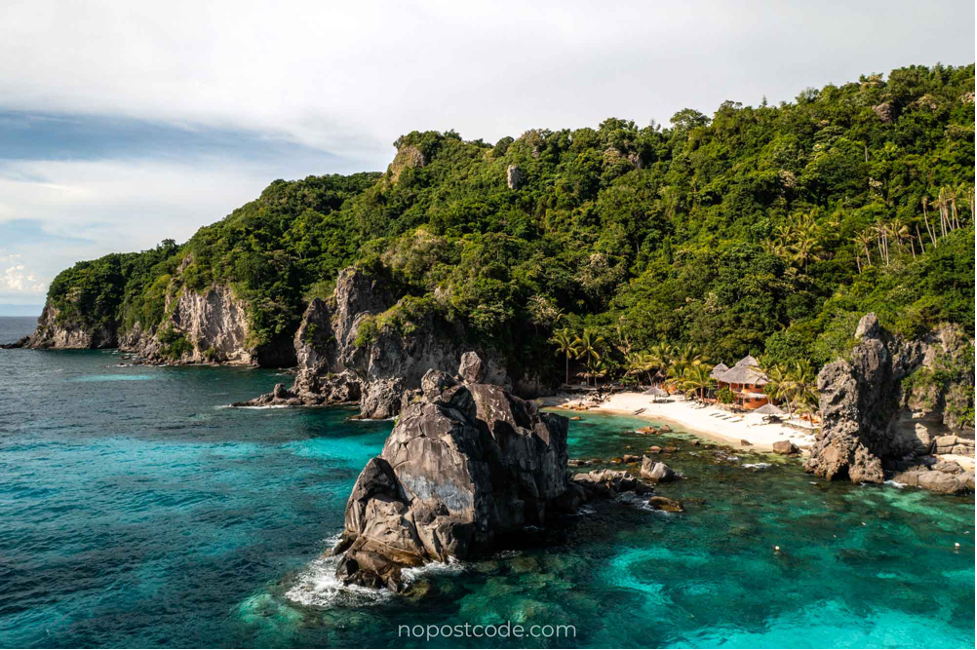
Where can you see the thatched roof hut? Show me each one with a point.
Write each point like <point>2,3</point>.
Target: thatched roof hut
<point>718,370</point>
<point>744,372</point>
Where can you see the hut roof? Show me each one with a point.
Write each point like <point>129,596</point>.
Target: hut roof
<point>744,372</point>
<point>718,370</point>
<point>656,392</point>
<point>769,409</point>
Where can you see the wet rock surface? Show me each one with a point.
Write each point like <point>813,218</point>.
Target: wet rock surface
<point>880,410</point>
<point>466,464</point>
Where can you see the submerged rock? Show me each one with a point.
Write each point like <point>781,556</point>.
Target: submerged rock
<point>881,406</point>
<point>664,503</point>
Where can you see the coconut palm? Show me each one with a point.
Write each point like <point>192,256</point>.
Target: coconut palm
<point>588,346</point>
<point>900,233</point>
<point>802,374</point>
<point>685,356</point>
<point>696,380</point>
<point>659,358</point>
<point>563,340</point>
<point>863,239</point>
<point>780,384</point>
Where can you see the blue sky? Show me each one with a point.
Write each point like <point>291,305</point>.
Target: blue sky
<point>122,124</point>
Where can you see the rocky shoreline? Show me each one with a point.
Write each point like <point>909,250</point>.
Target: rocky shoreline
<point>351,349</point>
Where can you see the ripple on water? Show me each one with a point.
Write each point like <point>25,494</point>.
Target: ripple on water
<point>100,378</point>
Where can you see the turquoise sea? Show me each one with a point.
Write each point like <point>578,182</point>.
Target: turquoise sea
<point>136,510</point>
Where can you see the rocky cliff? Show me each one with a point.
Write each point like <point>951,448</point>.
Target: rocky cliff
<point>53,332</point>
<point>364,345</point>
<point>893,405</point>
<point>208,327</point>
<point>466,464</point>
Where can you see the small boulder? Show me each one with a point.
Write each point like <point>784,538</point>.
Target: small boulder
<point>785,447</point>
<point>942,482</point>
<point>656,472</point>
<point>606,483</point>
<point>631,458</point>
<point>472,369</point>
<point>666,504</point>
<point>666,429</point>
<point>746,443</point>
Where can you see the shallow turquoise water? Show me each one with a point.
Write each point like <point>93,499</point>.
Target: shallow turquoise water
<point>141,512</point>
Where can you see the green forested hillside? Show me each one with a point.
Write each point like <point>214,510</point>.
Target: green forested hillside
<point>767,229</point>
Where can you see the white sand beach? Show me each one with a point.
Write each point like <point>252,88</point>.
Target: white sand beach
<point>710,422</point>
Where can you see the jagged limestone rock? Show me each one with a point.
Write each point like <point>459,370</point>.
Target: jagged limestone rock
<point>345,342</point>
<point>874,413</point>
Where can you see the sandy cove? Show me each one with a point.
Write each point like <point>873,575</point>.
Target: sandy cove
<point>704,422</point>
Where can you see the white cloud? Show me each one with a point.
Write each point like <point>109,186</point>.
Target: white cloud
<point>351,77</point>
<point>89,208</point>
<point>18,279</point>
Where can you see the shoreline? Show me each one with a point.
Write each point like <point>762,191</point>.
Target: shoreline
<point>701,422</point>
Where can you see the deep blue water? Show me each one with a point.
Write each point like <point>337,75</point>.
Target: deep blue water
<point>136,510</point>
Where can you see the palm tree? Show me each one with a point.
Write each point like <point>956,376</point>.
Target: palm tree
<point>863,239</point>
<point>804,248</point>
<point>802,374</point>
<point>780,384</point>
<point>596,368</point>
<point>659,357</point>
<point>900,233</point>
<point>588,346</point>
<point>696,380</point>
<point>930,231</point>
<point>881,231</point>
<point>563,340</point>
<point>687,355</point>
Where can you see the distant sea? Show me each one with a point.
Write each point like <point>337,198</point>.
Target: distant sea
<point>13,328</point>
<point>137,510</point>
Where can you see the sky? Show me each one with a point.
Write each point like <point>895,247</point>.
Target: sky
<point>126,123</point>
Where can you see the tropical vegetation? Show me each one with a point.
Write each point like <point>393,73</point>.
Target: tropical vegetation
<point>765,230</point>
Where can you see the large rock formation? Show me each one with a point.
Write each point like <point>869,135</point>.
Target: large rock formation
<point>466,464</point>
<point>882,410</point>
<point>55,332</point>
<point>207,327</point>
<point>364,345</point>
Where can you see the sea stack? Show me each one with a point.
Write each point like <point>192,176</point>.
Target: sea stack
<point>467,463</point>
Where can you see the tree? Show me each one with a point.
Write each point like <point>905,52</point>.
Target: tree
<point>780,385</point>
<point>588,346</point>
<point>564,340</point>
<point>659,358</point>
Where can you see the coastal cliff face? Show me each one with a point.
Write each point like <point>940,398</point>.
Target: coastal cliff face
<point>365,346</point>
<point>53,332</point>
<point>893,404</point>
<point>467,464</point>
<point>207,327</point>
